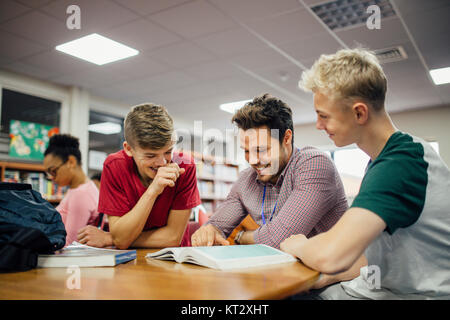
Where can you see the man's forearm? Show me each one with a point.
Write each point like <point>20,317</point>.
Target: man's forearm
<point>158,238</point>
<point>353,272</point>
<point>128,227</point>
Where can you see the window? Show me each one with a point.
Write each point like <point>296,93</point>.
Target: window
<point>435,146</point>
<point>108,139</point>
<point>351,165</point>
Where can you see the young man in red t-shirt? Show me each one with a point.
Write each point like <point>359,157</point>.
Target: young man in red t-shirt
<point>147,190</point>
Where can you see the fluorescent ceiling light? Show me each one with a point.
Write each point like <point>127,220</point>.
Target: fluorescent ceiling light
<point>440,76</point>
<point>105,128</point>
<point>97,49</point>
<point>232,107</point>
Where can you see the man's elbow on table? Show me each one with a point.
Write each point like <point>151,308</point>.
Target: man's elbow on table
<point>330,262</point>
<point>121,242</point>
<point>174,241</point>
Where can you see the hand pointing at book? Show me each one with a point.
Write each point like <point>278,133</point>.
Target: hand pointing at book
<point>208,236</point>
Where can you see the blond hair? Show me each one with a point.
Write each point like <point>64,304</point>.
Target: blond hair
<point>148,126</point>
<point>347,75</point>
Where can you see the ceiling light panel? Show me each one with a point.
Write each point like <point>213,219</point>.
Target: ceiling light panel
<point>97,49</point>
<point>232,107</point>
<point>105,128</point>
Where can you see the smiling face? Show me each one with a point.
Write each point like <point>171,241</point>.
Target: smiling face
<point>265,153</point>
<point>148,160</point>
<point>336,119</point>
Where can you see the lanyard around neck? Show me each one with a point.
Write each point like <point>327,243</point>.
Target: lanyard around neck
<point>262,208</point>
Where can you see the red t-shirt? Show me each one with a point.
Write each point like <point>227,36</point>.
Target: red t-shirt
<point>121,189</point>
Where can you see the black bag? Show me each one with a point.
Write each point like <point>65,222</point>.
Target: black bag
<point>29,225</point>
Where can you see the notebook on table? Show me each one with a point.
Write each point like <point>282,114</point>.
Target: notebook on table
<point>81,255</point>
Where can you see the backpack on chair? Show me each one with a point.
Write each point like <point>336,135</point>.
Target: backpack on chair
<point>29,226</point>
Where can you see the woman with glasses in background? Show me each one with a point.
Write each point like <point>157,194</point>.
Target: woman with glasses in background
<point>62,162</point>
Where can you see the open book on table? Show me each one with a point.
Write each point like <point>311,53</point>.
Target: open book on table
<point>77,254</point>
<point>225,257</point>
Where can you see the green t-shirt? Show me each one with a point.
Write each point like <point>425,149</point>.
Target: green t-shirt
<point>394,186</point>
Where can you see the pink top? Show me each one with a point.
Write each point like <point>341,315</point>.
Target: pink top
<point>78,208</point>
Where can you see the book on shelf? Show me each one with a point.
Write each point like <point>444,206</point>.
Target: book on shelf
<point>225,257</point>
<point>226,173</point>
<point>222,189</point>
<point>205,188</point>
<point>77,254</point>
<point>38,182</point>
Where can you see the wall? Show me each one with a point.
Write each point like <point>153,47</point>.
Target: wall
<point>431,124</point>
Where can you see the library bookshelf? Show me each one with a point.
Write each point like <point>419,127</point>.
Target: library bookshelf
<point>215,178</point>
<point>34,174</point>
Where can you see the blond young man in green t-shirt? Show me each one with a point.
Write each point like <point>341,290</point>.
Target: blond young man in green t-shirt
<point>400,220</point>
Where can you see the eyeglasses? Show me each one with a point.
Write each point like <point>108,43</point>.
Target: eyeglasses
<point>53,171</point>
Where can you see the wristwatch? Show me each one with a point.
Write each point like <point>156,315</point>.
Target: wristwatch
<point>238,237</point>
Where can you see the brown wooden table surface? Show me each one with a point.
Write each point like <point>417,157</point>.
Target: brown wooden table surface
<point>160,280</point>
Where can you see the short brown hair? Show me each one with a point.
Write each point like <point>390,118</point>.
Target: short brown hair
<point>148,125</point>
<point>348,74</point>
<point>265,110</point>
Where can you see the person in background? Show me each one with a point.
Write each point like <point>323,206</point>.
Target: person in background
<point>147,189</point>
<point>399,221</point>
<point>62,162</point>
<point>96,178</point>
<point>286,190</point>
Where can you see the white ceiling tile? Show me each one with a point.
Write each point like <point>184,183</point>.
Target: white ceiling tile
<point>15,47</point>
<point>95,76</point>
<point>138,66</point>
<point>181,55</point>
<point>58,62</point>
<point>390,34</point>
<point>29,70</point>
<point>34,25</point>
<point>181,19</point>
<point>96,16</point>
<point>34,3</point>
<point>10,9</point>
<point>213,70</point>
<point>432,33</point>
<point>260,60</point>
<point>444,93</point>
<point>231,42</point>
<point>222,61</point>
<point>145,7</point>
<point>419,6</point>
<point>249,10</point>
<point>142,35</point>
<point>312,47</point>
<point>288,27</point>
<point>412,99</point>
<point>155,83</point>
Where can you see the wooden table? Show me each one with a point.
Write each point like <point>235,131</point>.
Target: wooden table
<point>160,280</point>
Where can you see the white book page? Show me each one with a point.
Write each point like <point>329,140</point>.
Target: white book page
<point>167,254</point>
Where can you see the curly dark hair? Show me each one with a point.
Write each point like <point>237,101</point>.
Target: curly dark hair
<point>265,110</point>
<point>64,145</point>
